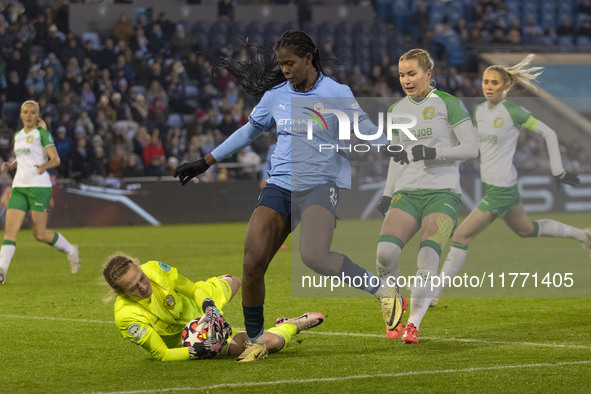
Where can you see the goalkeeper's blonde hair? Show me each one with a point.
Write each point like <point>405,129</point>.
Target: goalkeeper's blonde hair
<point>519,73</point>
<point>114,268</point>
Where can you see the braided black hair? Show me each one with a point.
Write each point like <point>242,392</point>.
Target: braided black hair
<point>263,73</point>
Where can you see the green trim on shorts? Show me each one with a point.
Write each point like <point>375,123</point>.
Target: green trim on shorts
<point>535,233</point>
<point>7,242</point>
<point>431,244</point>
<point>459,245</point>
<point>499,200</point>
<point>55,238</point>
<point>392,239</point>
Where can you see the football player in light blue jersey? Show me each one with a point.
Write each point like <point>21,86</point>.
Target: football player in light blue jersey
<point>497,121</point>
<point>304,183</point>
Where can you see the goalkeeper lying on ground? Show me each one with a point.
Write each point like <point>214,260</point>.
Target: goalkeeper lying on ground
<point>154,303</point>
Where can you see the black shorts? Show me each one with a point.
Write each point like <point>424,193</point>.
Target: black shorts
<point>291,205</point>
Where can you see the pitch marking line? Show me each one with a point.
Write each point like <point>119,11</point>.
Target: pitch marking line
<point>341,378</point>
<point>339,334</point>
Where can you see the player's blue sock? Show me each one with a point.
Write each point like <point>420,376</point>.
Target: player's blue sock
<point>254,321</point>
<point>360,278</point>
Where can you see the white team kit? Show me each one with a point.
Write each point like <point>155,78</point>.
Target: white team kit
<point>30,151</point>
<point>443,122</point>
<point>498,132</point>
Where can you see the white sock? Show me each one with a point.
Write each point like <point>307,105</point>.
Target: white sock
<point>420,296</point>
<point>63,245</point>
<point>552,228</point>
<point>387,260</point>
<point>6,254</point>
<point>453,264</point>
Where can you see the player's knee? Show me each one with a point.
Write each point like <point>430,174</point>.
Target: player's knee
<point>39,235</point>
<point>274,342</point>
<point>314,260</point>
<point>387,254</point>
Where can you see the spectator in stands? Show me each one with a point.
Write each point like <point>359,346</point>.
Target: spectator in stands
<point>108,55</point>
<point>133,166</point>
<point>97,164</point>
<point>140,43</point>
<point>249,163</point>
<point>15,86</point>
<point>182,43</point>
<point>80,159</point>
<point>157,41</point>
<point>141,139</point>
<point>116,161</point>
<point>565,29</point>
<point>585,7</point>
<point>63,145</point>
<point>228,125</point>
<point>123,30</point>
<point>139,109</point>
<point>226,9</point>
<point>551,36</point>
<point>153,155</point>
<point>585,28</point>
<point>122,110</point>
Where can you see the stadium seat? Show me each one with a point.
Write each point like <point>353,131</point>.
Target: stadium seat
<point>93,37</point>
<point>138,89</point>
<point>191,91</point>
<point>583,42</point>
<point>174,120</point>
<point>548,18</point>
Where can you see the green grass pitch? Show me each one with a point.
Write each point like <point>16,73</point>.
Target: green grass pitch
<point>57,335</point>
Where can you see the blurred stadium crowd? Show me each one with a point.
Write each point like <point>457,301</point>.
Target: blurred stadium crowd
<point>142,98</point>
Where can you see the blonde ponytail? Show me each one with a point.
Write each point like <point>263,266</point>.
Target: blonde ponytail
<point>518,73</point>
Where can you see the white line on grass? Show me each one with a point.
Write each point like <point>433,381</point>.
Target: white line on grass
<point>341,378</point>
<point>339,334</point>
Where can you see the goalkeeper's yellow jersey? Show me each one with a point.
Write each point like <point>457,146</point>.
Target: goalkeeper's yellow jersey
<point>156,322</point>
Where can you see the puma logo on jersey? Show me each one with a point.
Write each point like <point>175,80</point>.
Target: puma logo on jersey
<point>282,106</point>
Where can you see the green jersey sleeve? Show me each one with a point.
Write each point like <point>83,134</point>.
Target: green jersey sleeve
<point>46,138</point>
<point>456,110</point>
<point>520,115</point>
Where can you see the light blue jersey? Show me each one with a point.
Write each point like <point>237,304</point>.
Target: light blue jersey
<point>297,163</point>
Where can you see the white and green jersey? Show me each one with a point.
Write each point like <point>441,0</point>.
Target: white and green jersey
<point>30,150</point>
<point>498,132</point>
<point>443,123</point>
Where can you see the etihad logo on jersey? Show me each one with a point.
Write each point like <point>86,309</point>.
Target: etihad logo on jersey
<point>498,122</point>
<point>428,113</point>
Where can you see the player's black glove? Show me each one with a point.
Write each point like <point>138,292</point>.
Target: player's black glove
<point>384,205</point>
<point>422,152</point>
<point>570,178</point>
<point>399,156</point>
<point>187,171</point>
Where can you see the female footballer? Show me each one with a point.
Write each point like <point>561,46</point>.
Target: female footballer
<point>497,122</point>
<point>423,192</point>
<point>31,189</point>
<point>304,184</point>
<point>153,303</point>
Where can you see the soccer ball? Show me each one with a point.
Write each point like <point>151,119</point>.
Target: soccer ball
<point>207,335</point>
